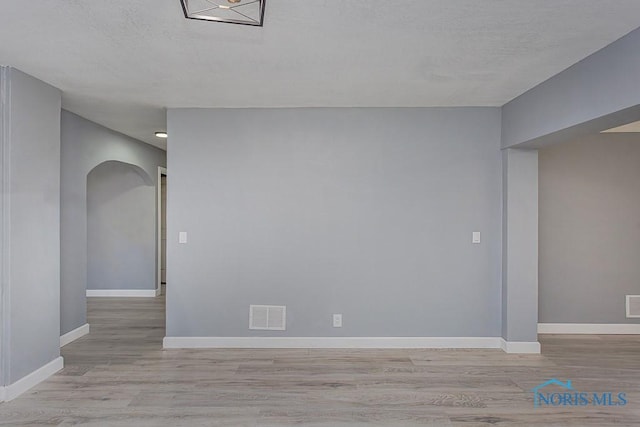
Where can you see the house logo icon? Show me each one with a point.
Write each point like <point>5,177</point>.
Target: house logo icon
<point>552,381</point>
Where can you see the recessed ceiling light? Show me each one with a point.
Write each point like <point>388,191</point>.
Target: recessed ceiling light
<point>161,134</point>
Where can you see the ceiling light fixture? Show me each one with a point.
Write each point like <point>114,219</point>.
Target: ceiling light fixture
<point>161,134</point>
<point>245,12</point>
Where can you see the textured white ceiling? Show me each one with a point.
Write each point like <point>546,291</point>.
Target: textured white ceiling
<point>122,62</point>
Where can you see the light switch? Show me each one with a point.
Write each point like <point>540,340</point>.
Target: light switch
<point>337,320</point>
<point>475,237</point>
<point>182,237</point>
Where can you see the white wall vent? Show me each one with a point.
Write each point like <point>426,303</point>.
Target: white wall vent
<point>268,317</point>
<point>633,305</point>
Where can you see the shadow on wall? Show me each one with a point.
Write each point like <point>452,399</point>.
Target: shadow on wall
<point>121,245</point>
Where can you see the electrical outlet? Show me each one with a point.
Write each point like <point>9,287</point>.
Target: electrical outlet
<point>337,320</point>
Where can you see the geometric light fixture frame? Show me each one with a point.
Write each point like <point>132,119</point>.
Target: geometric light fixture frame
<point>242,12</point>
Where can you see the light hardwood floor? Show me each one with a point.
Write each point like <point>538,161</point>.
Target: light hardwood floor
<point>120,376</point>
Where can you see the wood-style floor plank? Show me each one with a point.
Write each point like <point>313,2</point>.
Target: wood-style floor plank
<point>119,375</point>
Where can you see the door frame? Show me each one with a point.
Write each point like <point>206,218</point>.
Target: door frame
<point>161,171</point>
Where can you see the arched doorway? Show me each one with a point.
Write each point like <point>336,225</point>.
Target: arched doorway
<point>121,231</point>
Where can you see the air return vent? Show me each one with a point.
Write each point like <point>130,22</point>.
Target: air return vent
<point>267,317</point>
<point>633,305</point>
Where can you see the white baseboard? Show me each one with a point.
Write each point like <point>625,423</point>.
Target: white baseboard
<point>69,337</point>
<point>590,328</point>
<point>14,390</point>
<point>331,342</point>
<point>520,347</point>
<point>122,293</point>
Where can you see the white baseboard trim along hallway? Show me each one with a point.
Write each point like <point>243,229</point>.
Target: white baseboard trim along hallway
<point>350,342</point>
<point>123,293</point>
<point>14,390</point>
<point>71,336</point>
<point>590,328</point>
<point>520,347</point>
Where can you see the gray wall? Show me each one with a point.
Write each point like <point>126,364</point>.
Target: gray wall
<point>85,145</point>
<point>597,93</point>
<point>520,245</point>
<point>30,145</point>
<point>4,277</point>
<point>364,212</point>
<point>589,229</point>
<point>121,212</point>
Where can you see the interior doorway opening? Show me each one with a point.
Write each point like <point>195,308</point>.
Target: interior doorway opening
<point>120,231</point>
<point>162,231</point>
<point>589,235</point>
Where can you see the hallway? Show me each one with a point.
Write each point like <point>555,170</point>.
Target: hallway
<point>119,376</point>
